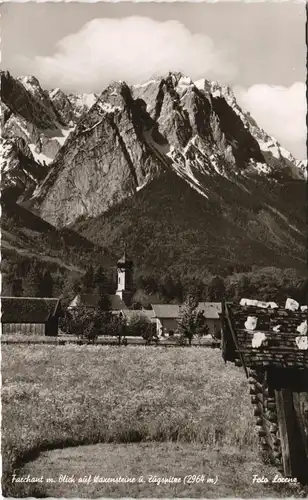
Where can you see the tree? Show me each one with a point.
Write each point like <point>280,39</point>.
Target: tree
<point>87,280</point>
<point>11,280</point>
<point>140,326</point>
<point>191,322</point>
<point>32,282</point>
<point>100,281</point>
<point>46,284</point>
<point>216,289</point>
<point>84,322</point>
<point>16,287</point>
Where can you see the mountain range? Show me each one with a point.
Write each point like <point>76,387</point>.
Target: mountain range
<point>174,168</point>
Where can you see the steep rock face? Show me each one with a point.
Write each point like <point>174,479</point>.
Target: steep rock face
<point>20,173</point>
<point>63,106</point>
<point>72,106</point>
<point>81,103</point>
<point>104,160</point>
<point>279,161</point>
<point>130,135</point>
<point>31,115</point>
<point>214,187</point>
<point>41,120</point>
<point>25,97</point>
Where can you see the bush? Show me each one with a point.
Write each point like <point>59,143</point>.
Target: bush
<point>140,326</point>
<point>85,322</point>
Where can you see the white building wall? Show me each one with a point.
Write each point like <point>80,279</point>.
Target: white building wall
<point>164,325</point>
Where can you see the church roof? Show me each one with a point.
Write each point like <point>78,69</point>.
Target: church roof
<point>92,300</point>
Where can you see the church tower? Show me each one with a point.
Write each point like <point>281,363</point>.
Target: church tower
<point>125,279</point>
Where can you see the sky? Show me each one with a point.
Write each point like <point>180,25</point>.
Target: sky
<point>257,48</point>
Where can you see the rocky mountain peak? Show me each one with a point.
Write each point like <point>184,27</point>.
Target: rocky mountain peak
<point>31,83</point>
<point>41,119</point>
<point>128,135</point>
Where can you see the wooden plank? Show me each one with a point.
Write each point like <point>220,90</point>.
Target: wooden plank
<point>235,340</point>
<point>293,439</point>
<point>283,433</point>
<point>301,423</point>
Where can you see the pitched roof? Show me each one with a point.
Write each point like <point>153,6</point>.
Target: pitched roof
<point>144,313</point>
<point>28,309</point>
<point>211,310</point>
<point>165,311</point>
<point>92,300</point>
<point>116,302</point>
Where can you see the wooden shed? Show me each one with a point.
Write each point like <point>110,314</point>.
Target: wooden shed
<point>30,315</point>
<point>272,346</point>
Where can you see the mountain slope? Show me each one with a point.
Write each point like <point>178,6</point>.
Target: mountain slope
<point>131,135</point>
<point>180,172</point>
<point>25,237</point>
<point>169,228</point>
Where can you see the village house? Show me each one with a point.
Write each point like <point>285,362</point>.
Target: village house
<point>212,312</point>
<point>166,316</point>
<point>30,315</point>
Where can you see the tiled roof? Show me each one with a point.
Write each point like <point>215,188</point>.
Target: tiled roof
<point>28,309</point>
<point>92,300</point>
<point>166,310</point>
<point>116,303</point>
<point>211,310</point>
<point>144,313</point>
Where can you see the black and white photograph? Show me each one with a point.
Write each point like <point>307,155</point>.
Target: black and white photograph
<point>154,281</point>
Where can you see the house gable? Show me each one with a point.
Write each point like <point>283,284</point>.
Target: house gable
<point>29,309</point>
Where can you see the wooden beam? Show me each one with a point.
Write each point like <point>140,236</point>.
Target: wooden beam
<point>292,434</point>
<point>283,433</point>
<point>235,340</point>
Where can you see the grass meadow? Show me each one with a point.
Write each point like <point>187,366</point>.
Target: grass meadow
<point>156,411</point>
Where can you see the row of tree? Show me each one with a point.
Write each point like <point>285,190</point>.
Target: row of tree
<point>91,322</point>
<point>268,283</point>
<point>36,282</point>
<point>33,278</point>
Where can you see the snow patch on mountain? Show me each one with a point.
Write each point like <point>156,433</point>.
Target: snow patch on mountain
<point>65,133</point>
<point>6,151</point>
<point>145,84</point>
<point>106,107</point>
<point>39,157</point>
<point>82,102</point>
<point>30,83</point>
<point>184,83</point>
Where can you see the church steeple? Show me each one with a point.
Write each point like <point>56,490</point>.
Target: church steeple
<point>125,278</point>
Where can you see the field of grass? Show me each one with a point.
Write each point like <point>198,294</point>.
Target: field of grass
<point>183,403</point>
